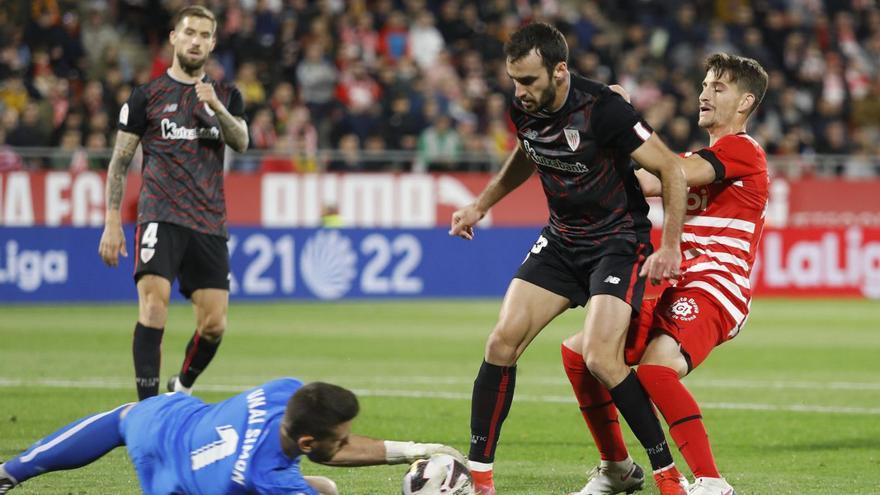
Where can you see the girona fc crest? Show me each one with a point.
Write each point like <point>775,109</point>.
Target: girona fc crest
<point>684,309</point>
<point>573,137</point>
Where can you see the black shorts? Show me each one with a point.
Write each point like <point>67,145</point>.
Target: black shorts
<point>196,260</point>
<point>580,272</point>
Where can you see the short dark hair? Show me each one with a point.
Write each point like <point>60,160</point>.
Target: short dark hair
<point>745,72</point>
<point>317,408</point>
<point>194,11</point>
<point>542,37</point>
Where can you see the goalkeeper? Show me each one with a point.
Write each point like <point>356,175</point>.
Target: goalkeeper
<point>250,443</point>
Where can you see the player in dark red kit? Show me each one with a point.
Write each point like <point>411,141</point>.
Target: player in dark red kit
<point>183,121</point>
<point>581,136</point>
<point>728,193</point>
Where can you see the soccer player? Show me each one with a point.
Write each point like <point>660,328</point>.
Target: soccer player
<point>708,306</point>
<point>183,121</point>
<point>580,135</point>
<point>250,443</point>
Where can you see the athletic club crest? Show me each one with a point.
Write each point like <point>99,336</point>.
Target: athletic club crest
<point>573,137</point>
<point>684,309</point>
<point>147,254</point>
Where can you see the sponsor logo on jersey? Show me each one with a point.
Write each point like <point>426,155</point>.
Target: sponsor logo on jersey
<point>576,167</point>
<point>573,137</point>
<point>684,309</point>
<point>170,130</point>
<point>123,114</point>
<point>171,107</point>
<point>530,133</point>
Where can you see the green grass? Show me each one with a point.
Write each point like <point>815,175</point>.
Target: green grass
<point>792,404</point>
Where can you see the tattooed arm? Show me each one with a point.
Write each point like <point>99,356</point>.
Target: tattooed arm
<point>233,129</point>
<point>113,239</point>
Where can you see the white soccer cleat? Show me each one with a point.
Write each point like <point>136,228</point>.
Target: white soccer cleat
<point>174,385</point>
<point>711,486</point>
<point>610,478</point>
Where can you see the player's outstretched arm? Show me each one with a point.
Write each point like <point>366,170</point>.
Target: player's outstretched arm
<point>113,239</point>
<point>697,172</point>
<point>233,129</point>
<point>656,158</point>
<point>516,170</point>
<point>366,451</point>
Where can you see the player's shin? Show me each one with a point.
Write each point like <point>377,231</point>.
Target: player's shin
<point>596,407</point>
<point>147,353</point>
<point>77,444</point>
<point>490,403</point>
<point>199,352</point>
<point>683,415</point>
<point>635,406</point>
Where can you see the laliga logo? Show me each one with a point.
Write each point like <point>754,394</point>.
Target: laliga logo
<point>29,269</point>
<point>329,264</point>
<point>684,309</point>
<point>828,262</point>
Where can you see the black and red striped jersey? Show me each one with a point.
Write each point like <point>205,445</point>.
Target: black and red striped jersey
<point>183,153</point>
<point>582,152</point>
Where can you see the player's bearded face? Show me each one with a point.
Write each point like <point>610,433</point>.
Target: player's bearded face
<point>323,450</point>
<point>193,41</point>
<point>535,88</point>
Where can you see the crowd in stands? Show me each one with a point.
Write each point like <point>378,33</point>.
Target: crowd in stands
<point>383,81</point>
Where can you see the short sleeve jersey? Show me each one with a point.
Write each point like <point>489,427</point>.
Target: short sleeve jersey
<point>183,153</point>
<point>724,223</point>
<point>582,152</point>
<point>234,447</point>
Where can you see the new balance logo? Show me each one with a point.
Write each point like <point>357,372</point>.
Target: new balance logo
<point>612,280</point>
<point>171,107</point>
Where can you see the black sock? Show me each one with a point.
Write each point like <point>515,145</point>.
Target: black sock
<point>635,406</point>
<point>146,348</point>
<point>199,352</point>
<point>490,403</point>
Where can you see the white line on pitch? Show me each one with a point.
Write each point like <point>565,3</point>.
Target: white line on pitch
<point>417,394</point>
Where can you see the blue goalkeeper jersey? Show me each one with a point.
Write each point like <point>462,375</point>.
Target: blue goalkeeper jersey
<point>180,444</point>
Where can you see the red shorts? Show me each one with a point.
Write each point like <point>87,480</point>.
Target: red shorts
<point>688,315</point>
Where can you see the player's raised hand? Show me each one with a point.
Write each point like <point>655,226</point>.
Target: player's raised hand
<point>662,265</point>
<point>112,245</point>
<point>206,94</point>
<point>463,222</point>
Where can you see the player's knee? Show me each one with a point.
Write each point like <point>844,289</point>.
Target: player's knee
<point>603,366</point>
<point>153,312</point>
<point>213,326</point>
<point>501,349</point>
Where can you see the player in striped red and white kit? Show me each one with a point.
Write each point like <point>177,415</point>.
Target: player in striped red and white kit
<point>727,199</point>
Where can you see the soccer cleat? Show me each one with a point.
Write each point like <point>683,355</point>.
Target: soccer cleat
<point>174,385</point>
<point>671,482</point>
<point>711,486</point>
<point>483,483</point>
<point>6,482</point>
<point>609,478</point>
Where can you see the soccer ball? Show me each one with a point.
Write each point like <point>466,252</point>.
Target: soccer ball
<point>441,474</point>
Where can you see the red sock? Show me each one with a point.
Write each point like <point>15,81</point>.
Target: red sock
<point>682,415</point>
<point>596,406</point>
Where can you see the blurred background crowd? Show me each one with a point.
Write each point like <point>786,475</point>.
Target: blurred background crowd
<point>416,85</point>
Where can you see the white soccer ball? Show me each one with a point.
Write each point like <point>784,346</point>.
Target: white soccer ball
<point>441,474</point>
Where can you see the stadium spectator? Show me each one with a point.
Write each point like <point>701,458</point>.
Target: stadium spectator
<point>823,52</point>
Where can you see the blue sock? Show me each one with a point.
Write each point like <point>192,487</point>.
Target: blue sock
<point>77,444</point>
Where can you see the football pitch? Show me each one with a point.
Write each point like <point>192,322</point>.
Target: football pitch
<point>792,404</point>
